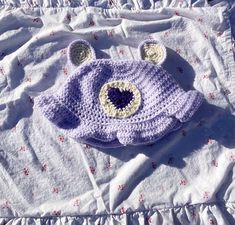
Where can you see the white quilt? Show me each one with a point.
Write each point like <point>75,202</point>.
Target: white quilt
<point>186,178</point>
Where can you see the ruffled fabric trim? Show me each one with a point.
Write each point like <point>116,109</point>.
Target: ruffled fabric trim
<point>219,213</point>
<point>105,4</point>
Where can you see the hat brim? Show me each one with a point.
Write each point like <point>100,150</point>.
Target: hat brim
<point>56,112</point>
<point>146,132</point>
<point>185,106</point>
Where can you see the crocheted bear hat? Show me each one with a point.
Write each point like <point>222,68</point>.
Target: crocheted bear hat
<point>108,103</point>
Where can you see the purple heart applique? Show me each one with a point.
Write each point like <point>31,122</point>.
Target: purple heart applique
<point>119,98</point>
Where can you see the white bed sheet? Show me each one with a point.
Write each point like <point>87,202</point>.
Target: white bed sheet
<point>47,178</point>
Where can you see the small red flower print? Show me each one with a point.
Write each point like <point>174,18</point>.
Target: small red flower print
<point>76,202</point>
<point>26,171</point>
<point>63,52</point>
<point>211,96</point>
<point>22,148</point>
<point>226,92</point>
<point>141,197</point>
<point>112,3</point>
<point>87,146</point>
<point>122,210</point>
<point>13,129</point>
<point>56,213</point>
<point>183,182</point>
<point>68,17</point>
<point>108,165</point>
<point>36,20</point>
<point>61,138</point>
<point>92,23</point>
<point>92,170</point>
<point>232,158</point>
<point>111,33</point>
<point>200,20</point>
<point>28,79</point>
<point>149,37</point>
<point>178,50</point>
<point>65,71</point>
<point>214,163</point>
<point>212,222</point>
<point>44,167</point>
<point>196,60</point>
<point>2,72</point>
<point>35,4</point>
<point>154,165</point>
<point>121,51</point>
<point>206,195</point>
<point>193,214</point>
<point>121,187</point>
<point>55,190</point>
<point>166,34</point>
<point>176,13</point>
<point>206,36</point>
<point>205,76</point>
<point>210,141</point>
<point>6,205</point>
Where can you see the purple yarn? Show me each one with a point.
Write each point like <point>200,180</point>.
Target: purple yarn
<point>77,111</point>
<point>119,98</point>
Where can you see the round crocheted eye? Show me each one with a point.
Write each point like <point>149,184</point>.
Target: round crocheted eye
<point>119,99</point>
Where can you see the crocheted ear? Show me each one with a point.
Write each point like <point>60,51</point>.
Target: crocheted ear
<point>79,52</point>
<point>152,51</point>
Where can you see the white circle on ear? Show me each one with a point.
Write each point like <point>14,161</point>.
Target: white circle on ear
<point>153,51</point>
<point>79,52</point>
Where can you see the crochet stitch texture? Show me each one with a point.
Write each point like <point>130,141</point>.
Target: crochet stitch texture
<point>110,103</point>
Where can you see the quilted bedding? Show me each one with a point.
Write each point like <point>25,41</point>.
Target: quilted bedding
<point>188,177</point>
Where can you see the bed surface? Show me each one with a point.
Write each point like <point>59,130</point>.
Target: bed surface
<point>48,178</point>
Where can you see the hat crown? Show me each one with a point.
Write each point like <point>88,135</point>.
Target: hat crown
<point>110,103</point>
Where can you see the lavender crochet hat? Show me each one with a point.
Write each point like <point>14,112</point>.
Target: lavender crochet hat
<point>110,103</point>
